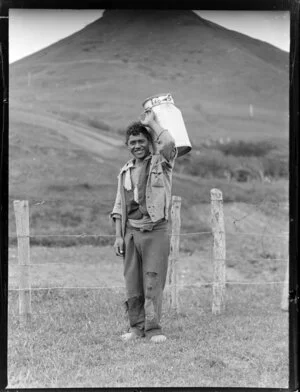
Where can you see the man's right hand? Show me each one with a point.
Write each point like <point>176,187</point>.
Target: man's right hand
<point>119,246</point>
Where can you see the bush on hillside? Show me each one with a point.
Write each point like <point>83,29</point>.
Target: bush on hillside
<point>246,149</point>
<point>208,166</point>
<point>98,124</point>
<point>226,160</point>
<point>275,167</point>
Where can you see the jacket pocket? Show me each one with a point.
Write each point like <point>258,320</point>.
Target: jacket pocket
<point>157,177</point>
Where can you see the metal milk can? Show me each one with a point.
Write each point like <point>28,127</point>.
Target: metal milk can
<point>170,117</point>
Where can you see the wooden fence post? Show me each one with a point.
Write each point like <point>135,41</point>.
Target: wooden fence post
<point>285,291</point>
<point>174,252</point>
<point>21,209</point>
<point>219,251</point>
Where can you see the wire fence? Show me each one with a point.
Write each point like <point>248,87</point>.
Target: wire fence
<point>196,285</point>
<point>218,257</point>
<point>38,202</point>
<point>177,262</point>
<point>83,235</point>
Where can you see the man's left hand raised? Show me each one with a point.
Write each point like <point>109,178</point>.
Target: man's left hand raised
<point>148,118</point>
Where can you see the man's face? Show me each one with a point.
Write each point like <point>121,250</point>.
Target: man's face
<point>139,146</point>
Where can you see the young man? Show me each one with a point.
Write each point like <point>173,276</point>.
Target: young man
<point>141,218</point>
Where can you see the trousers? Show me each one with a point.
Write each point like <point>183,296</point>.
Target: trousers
<point>145,271</point>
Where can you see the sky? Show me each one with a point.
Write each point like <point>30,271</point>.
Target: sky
<point>31,30</point>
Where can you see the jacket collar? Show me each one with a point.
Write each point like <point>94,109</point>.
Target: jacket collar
<point>131,163</point>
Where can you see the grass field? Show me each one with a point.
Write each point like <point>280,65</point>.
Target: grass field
<point>73,341</point>
<point>73,337</point>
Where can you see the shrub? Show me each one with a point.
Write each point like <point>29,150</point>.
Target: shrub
<point>209,164</point>
<point>98,124</point>
<point>275,167</point>
<point>216,160</point>
<point>246,149</point>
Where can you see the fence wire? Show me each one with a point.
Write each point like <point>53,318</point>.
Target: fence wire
<point>83,235</point>
<point>177,262</point>
<point>40,202</point>
<point>196,285</point>
<point>170,286</point>
<point>121,287</point>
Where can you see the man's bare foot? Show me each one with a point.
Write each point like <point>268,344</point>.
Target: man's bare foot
<point>158,338</point>
<point>129,336</point>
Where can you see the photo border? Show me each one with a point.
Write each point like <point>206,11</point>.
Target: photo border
<point>293,7</point>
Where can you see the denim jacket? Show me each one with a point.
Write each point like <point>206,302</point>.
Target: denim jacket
<point>159,183</point>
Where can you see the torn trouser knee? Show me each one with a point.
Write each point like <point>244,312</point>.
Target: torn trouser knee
<point>153,301</point>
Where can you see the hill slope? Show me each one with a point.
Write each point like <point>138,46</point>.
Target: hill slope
<point>107,69</point>
<point>70,103</point>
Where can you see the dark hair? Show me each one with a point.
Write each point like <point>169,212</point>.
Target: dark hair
<point>135,129</point>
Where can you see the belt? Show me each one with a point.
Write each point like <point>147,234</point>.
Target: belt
<point>148,226</point>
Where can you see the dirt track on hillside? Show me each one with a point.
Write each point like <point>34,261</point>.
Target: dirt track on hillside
<point>100,145</point>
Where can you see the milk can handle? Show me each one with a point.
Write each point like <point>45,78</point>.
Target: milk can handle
<point>155,101</point>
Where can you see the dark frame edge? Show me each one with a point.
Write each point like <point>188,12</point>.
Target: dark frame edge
<point>158,4</point>
<point>294,197</point>
<point>3,201</point>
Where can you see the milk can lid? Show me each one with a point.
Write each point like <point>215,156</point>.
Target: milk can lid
<point>164,96</point>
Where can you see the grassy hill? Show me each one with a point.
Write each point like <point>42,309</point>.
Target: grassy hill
<point>105,71</point>
<point>70,103</point>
